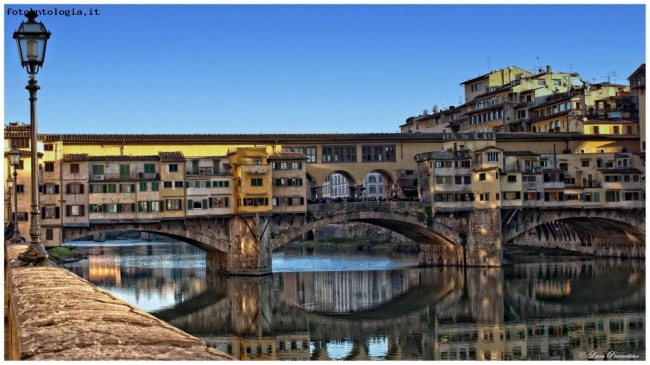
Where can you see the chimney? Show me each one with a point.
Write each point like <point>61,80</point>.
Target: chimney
<point>548,69</point>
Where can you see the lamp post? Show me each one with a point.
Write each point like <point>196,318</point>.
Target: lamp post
<point>10,188</point>
<point>14,160</point>
<point>31,38</point>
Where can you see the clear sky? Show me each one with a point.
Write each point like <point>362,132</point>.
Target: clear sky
<point>297,68</point>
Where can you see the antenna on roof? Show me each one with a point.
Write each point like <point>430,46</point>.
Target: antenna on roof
<point>537,58</point>
<point>613,73</point>
<point>488,62</point>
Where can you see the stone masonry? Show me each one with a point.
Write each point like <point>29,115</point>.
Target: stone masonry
<point>53,314</point>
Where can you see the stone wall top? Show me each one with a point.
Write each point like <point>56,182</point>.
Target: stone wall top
<point>56,315</point>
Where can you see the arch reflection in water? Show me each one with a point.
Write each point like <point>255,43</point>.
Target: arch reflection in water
<point>538,310</point>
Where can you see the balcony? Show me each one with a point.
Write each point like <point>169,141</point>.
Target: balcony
<point>124,177</point>
<point>553,185</point>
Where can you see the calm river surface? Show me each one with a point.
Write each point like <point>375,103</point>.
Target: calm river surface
<point>349,305</point>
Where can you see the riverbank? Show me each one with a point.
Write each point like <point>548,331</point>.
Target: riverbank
<point>62,255</point>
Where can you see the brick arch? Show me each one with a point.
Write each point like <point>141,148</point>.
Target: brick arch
<point>632,220</point>
<point>409,225</point>
<point>192,232</point>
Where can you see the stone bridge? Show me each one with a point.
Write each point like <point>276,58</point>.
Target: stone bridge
<point>243,244</point>
<point>597,231</point>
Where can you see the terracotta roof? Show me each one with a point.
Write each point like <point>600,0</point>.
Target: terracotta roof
<point>171,156</point>
<point>287,156</point>
<point>122,158</point>
<point>236,138</point>
<point>75,157</point>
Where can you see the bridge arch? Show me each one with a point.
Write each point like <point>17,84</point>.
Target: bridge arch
<point>410,225</point>
<point>599,232</point>
<point>71,237</point>
<point>630,221</point>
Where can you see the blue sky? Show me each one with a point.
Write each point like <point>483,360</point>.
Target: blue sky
<point>298,68</point>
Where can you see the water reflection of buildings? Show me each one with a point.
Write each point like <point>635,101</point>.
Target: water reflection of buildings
<point>128,267</point>
<point>281,347</point>
<point>553,339</point>
<point>346,291</point>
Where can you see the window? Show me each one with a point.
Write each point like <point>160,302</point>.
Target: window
<point>493,157</point>
<point>127,188</point>
<point>512,178</point>
<point>96,208</point>
<point>584,163</point>
<point>617,130</point>
<point>97,169</point>
<point>20,142</point>
<point>612,196</point>
<point>173,167</point>
<point>48,147</point>
<point>74,210</point>
<point>477,87</point>
<point>149,168</point>
<point>254,202</point>
<point>21,216</point>
<point>143,186</point>
<point>484,197</point>
<point>50,212</point>
<point>221,184</point>
<point>96,188</point>
<point>49,234</point>
<point>75,188</point>
<point>178,184</point>
<point>595,129</point>
<point>220,202</point>
<point>49,189</point>
<point>155,186</point>
<point>167,184</point>
<point>378,153</point>
<point>256,182</point>
<point>339,154</point>
<point>49,167</point>
<point>173,204</point>
<point>74,168</point>
<point>110,188</point>
<point>481,176</point>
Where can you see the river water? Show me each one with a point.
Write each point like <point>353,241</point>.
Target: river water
<point>322,304</point>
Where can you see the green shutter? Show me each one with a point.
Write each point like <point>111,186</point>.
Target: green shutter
<point>205,204</point>
<point>187,184</point>
<point>210,202</point>
<point>104,208</point>
<point>162,205</point>
<point>119,208</point>
<point>207,184</point>
<point>190,204</point>
<point>597,196</point>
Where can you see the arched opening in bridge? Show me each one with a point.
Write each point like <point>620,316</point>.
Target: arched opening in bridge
<point>340,185</point>
<point>378,185</point>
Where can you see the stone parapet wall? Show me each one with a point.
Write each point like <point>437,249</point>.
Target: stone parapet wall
<point>53,314</point>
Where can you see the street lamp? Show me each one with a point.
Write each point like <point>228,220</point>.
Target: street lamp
<point>31,38</point>
<point>14,160</point>
<point>10,188</point>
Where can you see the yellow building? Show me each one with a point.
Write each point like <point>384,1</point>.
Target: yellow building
<point>172,179</point>
<point>252,177</point>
